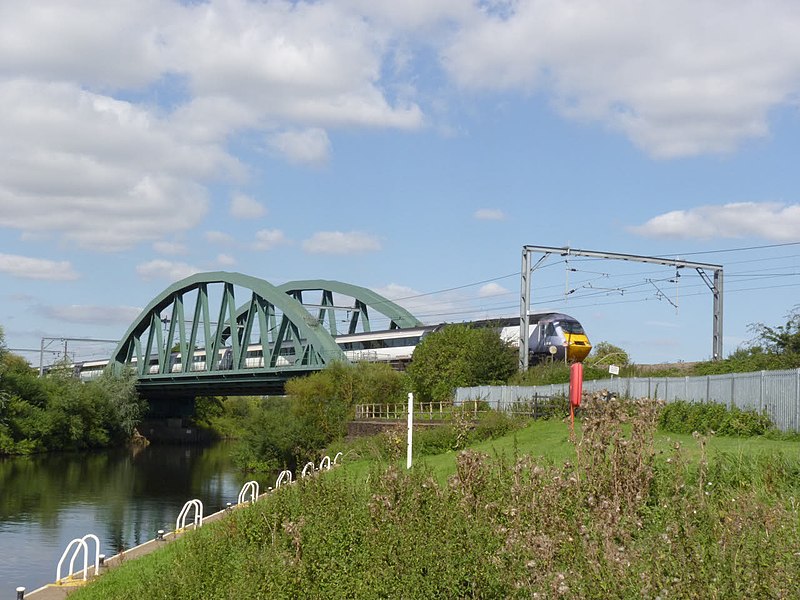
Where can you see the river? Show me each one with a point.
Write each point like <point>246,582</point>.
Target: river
<point>123,496</point>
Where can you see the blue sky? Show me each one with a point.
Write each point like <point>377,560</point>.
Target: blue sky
<point>412,148</point>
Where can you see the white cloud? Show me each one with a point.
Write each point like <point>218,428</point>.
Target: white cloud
<point>245,207</point>
<point>165,269</point>
<point>284,61</point>
<point>267,239</point>
<point>169,248</point>
<point>489,214</point>
<point>105,44</point>
<point>100,172</point>
<point>337,242</point>
<point>97,315</point>
<point>310,146</point>
<point>83,164</point>
<point>409,298</point>
<point>492,289</point>
<point>25,267</point>
<point>438,308</point>
<point>225,260</point>
<point>218,237</point>
<point>678,78</point>
<point>769,220</point>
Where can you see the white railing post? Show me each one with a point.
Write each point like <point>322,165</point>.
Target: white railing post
<point>250,486</point>
<point>96,550</point>
<point>410,428</point>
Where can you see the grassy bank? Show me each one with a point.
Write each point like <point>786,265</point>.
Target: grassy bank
<point>622,512</point>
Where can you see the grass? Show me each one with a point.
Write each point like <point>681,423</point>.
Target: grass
<point>549,439</point>
<point>620,514</point>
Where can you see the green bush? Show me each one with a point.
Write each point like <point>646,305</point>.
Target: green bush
<point>59,412</point>
<point>287,432</point>
<point>459,356</point>
<point>688,417</point>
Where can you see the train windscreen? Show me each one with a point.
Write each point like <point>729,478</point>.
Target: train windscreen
<point>572,327</point>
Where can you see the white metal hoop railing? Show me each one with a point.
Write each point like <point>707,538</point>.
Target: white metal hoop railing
<point>309,465</point>
<point>252,488</point>
<point>80,544</point>
<point>283,475</point>
<point>325,463</point>
<point>180,523</point>
<point>337,457</point>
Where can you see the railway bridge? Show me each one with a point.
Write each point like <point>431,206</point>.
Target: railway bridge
<point>221,333</point>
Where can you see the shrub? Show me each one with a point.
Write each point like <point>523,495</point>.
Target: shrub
<point>688,417</point>
<point>458,356</point>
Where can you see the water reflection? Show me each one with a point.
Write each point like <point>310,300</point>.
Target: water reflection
<point>123,496</point>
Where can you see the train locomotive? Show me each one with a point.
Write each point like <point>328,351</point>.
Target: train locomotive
<point>551,335</point>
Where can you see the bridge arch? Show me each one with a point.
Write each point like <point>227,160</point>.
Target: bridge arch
<point>363,300</point>
<point>357,313</point>
<point>161,348</point>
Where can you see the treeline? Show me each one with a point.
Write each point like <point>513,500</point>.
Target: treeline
<point>287,432</point>
<point>59,412</point>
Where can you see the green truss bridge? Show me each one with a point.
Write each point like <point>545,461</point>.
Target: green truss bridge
<point>223,333</point>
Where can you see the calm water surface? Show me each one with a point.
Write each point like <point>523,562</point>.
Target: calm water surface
<point>123,496</point>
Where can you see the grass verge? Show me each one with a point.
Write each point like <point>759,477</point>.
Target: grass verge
<point>623,512</point>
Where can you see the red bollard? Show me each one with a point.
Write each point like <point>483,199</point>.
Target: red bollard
<point>575,392</point>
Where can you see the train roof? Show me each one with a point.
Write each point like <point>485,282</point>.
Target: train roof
<point>533,319</point>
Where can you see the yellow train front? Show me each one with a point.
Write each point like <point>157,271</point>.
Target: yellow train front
<point>557,336</point>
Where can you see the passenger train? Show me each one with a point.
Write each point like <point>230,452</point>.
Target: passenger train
<point>551,335</point>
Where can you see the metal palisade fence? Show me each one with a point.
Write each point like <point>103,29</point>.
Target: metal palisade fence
<point>776,393</point>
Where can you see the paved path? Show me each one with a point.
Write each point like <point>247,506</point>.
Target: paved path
<point>59,591</point>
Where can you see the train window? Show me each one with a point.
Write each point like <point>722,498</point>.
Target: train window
<point>550,330</point>
<point>572,327</point>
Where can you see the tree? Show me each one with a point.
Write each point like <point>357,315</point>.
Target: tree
<point>3,348</point>
<point>782,339</point>
<point>287,432</point>
<point>608,354</point>
<point>459,356</point>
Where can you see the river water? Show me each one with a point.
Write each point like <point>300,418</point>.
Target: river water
<point>123,496</point>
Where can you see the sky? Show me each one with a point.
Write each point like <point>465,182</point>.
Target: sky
<point>409,147</point>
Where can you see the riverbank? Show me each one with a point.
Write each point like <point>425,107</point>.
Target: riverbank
<point>122,495</point>
<point>623,512</point>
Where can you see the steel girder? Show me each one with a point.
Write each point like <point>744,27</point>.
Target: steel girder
<point>363,300</point>
<point>289,338</point>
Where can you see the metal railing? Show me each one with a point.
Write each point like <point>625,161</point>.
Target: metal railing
<point>397,411</point>
<point>774,393</point>
<point>537,406</point>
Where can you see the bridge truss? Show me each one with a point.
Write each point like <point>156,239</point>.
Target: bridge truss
<point>184,340</point>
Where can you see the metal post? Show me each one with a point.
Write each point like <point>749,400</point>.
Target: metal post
<point>717,291</point>
<point>41,358</point>
<point>410,428</point>
<point>524,304</point>
<point>797,400</point>
<point>20,593</point>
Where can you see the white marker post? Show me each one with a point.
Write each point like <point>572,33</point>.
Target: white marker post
<point>410,428</point>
